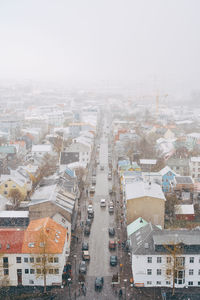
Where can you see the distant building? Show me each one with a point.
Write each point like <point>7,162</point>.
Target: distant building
<point>195,167</point>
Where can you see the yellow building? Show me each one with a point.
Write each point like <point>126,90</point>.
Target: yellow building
<point>8,183</point>
<point>144,200</point>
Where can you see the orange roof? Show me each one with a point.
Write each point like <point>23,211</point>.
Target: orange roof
<point>11,240</point>
<point>44,231</point>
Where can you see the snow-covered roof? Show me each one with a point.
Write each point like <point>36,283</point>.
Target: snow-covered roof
<point>143,189</point>
<point>184,209</point>
<point>165,170</point>
<point>14,214</point>
<point>195,159</point>
<point>41,148</point>
<point>148,161</point>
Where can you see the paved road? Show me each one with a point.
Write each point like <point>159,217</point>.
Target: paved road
<point>99,238</point>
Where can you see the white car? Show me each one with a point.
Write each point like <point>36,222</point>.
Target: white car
<point>103,203</point>
<point>90,208</point>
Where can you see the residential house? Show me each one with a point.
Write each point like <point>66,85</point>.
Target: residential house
<point>146,200</point>
<point>195,167</point>
<point>179,165</point>
<point>153,252</point>
<point>193,140</point>
<point>81,151</point>
<point>22,251</point>
<point>14,218</point>
<point>167,178</point>
<point>147,164</point>
<point>184,212</point>
<point>10,151</point>
<point>41,150</point>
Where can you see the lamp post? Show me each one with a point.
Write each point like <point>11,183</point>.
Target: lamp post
<point>68,284</point>
<point>75,275</point>
<point>125,281</point>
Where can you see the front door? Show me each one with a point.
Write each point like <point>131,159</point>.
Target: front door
<point>19,276</point>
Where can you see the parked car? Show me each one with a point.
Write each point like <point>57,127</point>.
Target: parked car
<point>109,176</point>
<point>83,267</point>
<point>101,167</point>
<point>87,230</point>
<point>111,209</point>
<point>99,281</point>
<point>103,202</point>
<point>112,245</point>
<point>86,255</point>
<point>92,189</point>
<point>90,208</point>
<point>88,222</point>
<point>91,215</point>
<point>113,260</point>
<point>85,246</point>
<point>111,231</point>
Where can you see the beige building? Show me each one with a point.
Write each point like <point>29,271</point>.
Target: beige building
<point>146,200</point>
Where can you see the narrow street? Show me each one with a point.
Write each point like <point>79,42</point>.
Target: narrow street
<point>98,239</point>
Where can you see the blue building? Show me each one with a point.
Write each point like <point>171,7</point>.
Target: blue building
<point>167,177</point>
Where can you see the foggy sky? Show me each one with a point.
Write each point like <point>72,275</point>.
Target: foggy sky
<point>92,40</point>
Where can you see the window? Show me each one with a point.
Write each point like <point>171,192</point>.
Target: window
<point>149,259</point>
<point>38,259</point>
<point>50,271</point>
<point>159,271</point>
<point>26,271</point>
<point>31,281</point>
<point>149,271</point>
<point>199,272</point>
<point>25,259</point>
<point>6,185</point>
<point>5,262</point>
<point>56,271</point>
<point>63,220</point>
<point>32,271</point>
<point>42,245</point>
<point>6,272</point>
<point>50,259</point>
<point>198,282</point>
<point>191,272</point>
<point>5,192</point>
<point>168,282</point>
<point>31,259</point>
<point>149,282</point>
<point>190,282</point>
<point>56,259</point>
<point>38,271</point>
<point>158,282</point>
<point>168,272</point>
<point>18,260</point>
<point>159,260</point>
<point>191,260</point>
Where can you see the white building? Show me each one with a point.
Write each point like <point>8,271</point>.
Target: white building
<point>194,165</point>
<point>153,259</point>
<point>23,251</point>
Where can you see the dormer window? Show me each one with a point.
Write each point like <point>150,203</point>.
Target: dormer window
<point>8,246</point>
<point>31,245</point>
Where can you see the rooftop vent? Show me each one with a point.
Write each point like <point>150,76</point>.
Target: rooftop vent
<point>146,245</point>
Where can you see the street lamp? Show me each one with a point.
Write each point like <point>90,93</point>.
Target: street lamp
<point>68,284</point>
<point>125,281</point>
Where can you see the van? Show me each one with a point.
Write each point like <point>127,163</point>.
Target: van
<point>103,202</point>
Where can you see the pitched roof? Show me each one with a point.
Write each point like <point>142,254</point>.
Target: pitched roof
<point>135,225</point>
<point>184,179</point>
<point>8,149</point>
<point>11,240</point>
<point>165,170</point>
<point>44,231</point>
<point>184,209</point>
<point>143,189</point>
<point>187,237</point>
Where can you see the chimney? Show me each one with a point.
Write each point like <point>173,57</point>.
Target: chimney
<point>141,221</point>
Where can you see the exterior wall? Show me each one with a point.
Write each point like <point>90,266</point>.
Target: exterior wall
<point>185,217</point>
<point>166,180</point>
<point>46,209</point>
<point>4,191</point>
<point>150,209</point>
<point>195,169</point>
<point>141,278</point>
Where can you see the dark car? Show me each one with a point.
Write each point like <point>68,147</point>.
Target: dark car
<point>111,231</point>
<point>87,230</point>
<point>99,281</point>
<point>83,267</point>
<point>85,246</point>
<point>88,222</point>
<point>113,260</point>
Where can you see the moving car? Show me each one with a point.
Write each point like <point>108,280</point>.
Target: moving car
<point>99,281</point>
<point>103,202</point>
<point>85,246</point>
<point>113,260</point>
<point>83,267</point>
<point>111,231</point>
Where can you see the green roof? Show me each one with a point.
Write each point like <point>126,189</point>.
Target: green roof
<point>8,149</point>
<point>135,225</point>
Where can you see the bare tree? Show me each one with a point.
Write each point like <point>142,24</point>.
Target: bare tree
<point>16,197</point>
<point>80,174</point>
<point>175,263</point>
<point>58,144</point>
<point>171,201</point>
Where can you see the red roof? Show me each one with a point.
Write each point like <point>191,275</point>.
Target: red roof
<point>11,240</point>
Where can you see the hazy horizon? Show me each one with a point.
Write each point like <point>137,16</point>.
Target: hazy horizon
<point>101,41</point>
